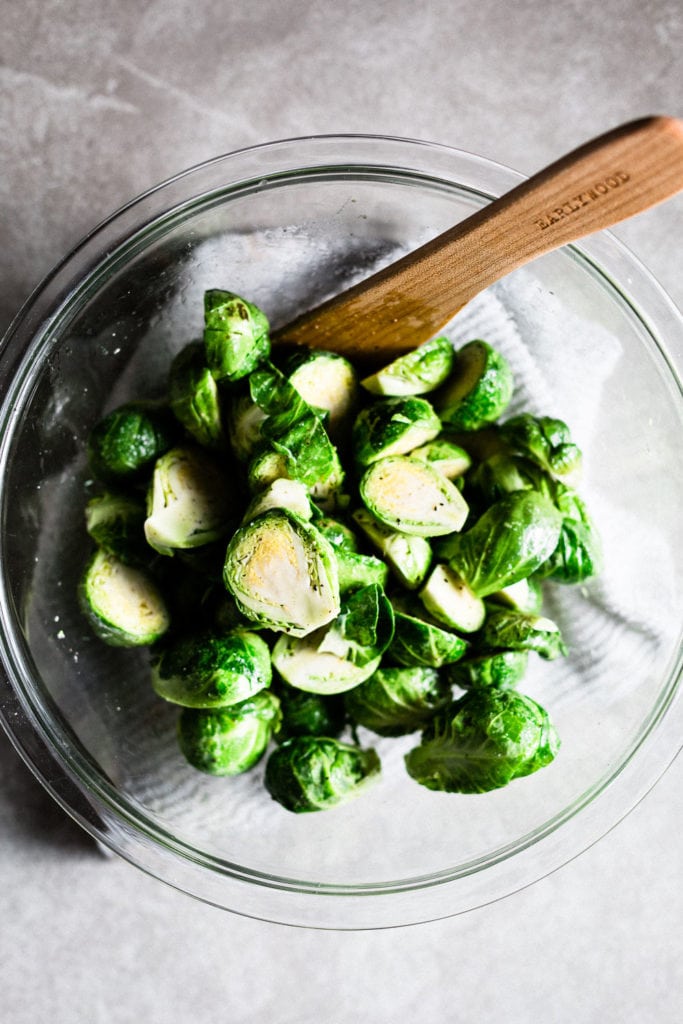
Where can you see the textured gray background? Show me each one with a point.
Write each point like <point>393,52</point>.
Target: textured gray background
<point>99,101</point>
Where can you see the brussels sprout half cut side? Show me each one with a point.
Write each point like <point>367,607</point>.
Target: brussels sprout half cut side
<point>189,501</point>
<point>122,604</point>
<point>283,573</point>
<point>417,372</point>
<point>406,494</point>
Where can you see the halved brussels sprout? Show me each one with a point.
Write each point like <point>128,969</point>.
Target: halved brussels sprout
<point>283,573</point>
<point>479,389</point>
<point>417,372</point>
<point>503,669</point>
<point>194,397</point>
<point>343,654</point>
<point>236,336</point>
<point>448,458</point>
<point>419,642</point>
<point>327,382</point>
<point>309,714</point>
<point>407,556</point>
<point>116,522</point>
<point>211,670</point>
<point>510,541</point>
<point>228,741</point>
<point>515,631</point>
<point>125,443</point>
<point>449,599</point>
<point>265,468</point>
<point>393,427</point>
<point>122,604</point>
<point>406,494</point>
<point>282,493</point>
<point>314,773</point>
<point>546,441</point>
<point>482,742</point>
<point>189,502</point>
<point>397,701</point>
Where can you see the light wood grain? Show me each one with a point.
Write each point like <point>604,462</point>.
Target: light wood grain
<point>603,182</point>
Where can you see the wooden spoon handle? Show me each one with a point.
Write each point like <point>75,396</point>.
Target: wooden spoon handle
<point>603,182</point>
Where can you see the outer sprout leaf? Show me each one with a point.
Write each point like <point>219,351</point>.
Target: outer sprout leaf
<point>510,541</point>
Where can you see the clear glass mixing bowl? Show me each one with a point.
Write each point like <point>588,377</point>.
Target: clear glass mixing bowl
<point>592,339</point>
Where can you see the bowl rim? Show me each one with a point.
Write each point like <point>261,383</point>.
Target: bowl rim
<point>92,806</point>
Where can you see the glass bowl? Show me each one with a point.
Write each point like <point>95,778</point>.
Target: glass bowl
<point>591,338</point>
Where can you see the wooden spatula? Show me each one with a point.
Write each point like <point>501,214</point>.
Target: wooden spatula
<point>603,182</point>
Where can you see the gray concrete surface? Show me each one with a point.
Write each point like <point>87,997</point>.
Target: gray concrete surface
<point>99,101</point>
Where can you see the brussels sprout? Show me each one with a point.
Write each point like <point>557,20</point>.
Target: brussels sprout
<point>510,541</point>
<point>236,335</point>
<point>340,656</point>
<point>479,390</point>
<point>244,419</point>
<point>211,670</point>
<point>283,573</point>
<point>406,494</point>
<point>265,468</point>
<point>309,714</point>
<point>415,373</point>
<point>407,556</point>
<point>313,773</point>
<point>525,595</point>
<point>124,445</point>
<point>515,631</point>
<point>578,554</point>
<point>482,742</point>
<point>326,382</point>
<point>194,398</point>
<point>228,741</point>
<point>396,701</point>
<point>339,534</point>
<point>546,441</point>
<point>293,430</point>
<point>419,642</point>
<point>189,502</point>
<point>282,493</point>
<point>503,669</point>
<point>448,598</point>
<point>448,458</point>
<point>116,522</point>
<point>122,604</point>
<point>501,474</point>
<point>393,427</point>
<point>356,570</point>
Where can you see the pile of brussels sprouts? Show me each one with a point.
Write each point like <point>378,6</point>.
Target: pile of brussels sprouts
<point>309,554</point>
